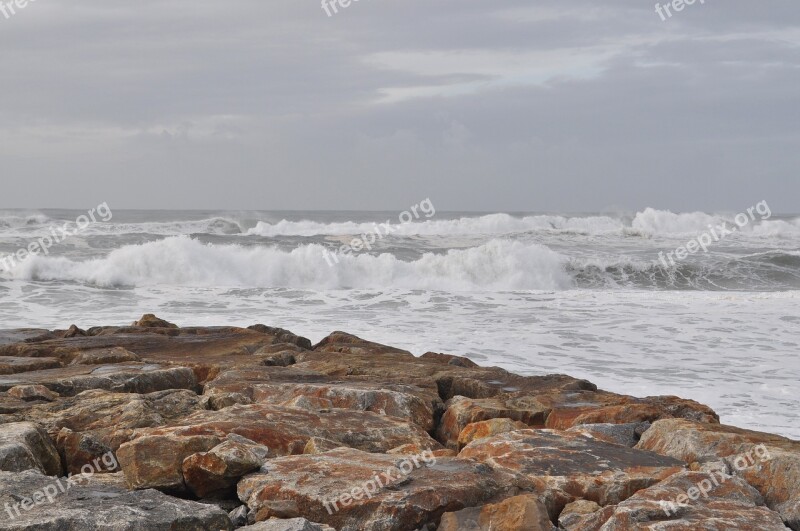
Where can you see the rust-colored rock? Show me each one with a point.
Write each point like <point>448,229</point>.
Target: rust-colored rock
<point>30,393</point>
<point>520,513</point>
<point>680,503</point>
<point>151,321</point>
<point>355,491</point>
<point>769,463</point>
<point>217,471</point>
<point>549,461</point>
<point>487,428</point>
<point>16,365</point>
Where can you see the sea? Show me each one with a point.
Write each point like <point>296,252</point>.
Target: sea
<point>592,295</point>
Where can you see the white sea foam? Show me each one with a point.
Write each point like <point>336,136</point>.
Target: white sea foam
<point>181,261</point>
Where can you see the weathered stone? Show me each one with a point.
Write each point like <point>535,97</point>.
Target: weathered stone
<point>16,365</point>
<point>727,503</point>
<point>574,513</point>
<point>406,402</point>
<point>124,378</point>
<point>32,393</point>
<point>549,461</point>
<point>103,356</point>
<point>157,461</point>
<point>520,513</point>
<point>462,411</point>
<point>487,428</point>
<point>318,445</point>
<point>292,524</point>
<point>217,471</point>
<point>26,446</point>
<point>281,336</point>
<point>402,496</point>
<point>449,359</point>
<point>769,463</point>
<point>622,434</point>
<point>98,507</point>
<point>151,321</point>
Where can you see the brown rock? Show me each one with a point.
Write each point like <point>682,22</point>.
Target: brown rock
<point>16,365</point>
<point>104,355</point>
<point>769,463</point>
<point>726,503</point>
<point>339,488</point>
<point>622,434</point>
<point>462,411</point>
<point>487,428</point>
<point>217,471</point>
<point>31,393</point>
<point>574,513</point>
<point>549,461</point>
<point>520,513</point>
<point>151,321</point>
<point>318,445</point>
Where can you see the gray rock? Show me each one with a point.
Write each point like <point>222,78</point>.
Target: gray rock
<point>26,446</point>
<point>293,524</point>
<point>97,507</point>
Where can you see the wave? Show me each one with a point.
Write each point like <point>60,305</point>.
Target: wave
<point>491,224</point>
<point>182,261</point>
<point>16,221</point>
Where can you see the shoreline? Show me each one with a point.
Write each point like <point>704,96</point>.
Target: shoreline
<point>240,425</point>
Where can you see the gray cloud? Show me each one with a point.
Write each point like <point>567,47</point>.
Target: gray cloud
<point>247,104</point>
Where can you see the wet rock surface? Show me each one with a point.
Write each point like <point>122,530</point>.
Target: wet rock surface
<point>258,428</point>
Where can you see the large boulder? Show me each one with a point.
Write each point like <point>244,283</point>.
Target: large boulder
<point>565,466</point>
<point>352,490</point>
<point>770,463</point>
<point>520,513</point>
<point>216,472</point>
<point>687,501</point>
<point>26,446</point>
<point>33,501</point>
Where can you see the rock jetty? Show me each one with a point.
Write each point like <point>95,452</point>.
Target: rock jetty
<point>153,426</point>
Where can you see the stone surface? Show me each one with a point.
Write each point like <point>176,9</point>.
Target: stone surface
<point>622,434</point>
<point>520,513</point>
<point>727,503</point>
<point>292,524</point>
<point>15,365</point>
<point>332,488</point>
<point>98,507</point>
<point>31,393</point>
<point>151,321</point>
<point>102,356</point>
<point>487,428</point>
<point>551,463</point>
<point>769,463</point>
<point>26,446</point>
<point>217,471</point>
<point>574,512</point>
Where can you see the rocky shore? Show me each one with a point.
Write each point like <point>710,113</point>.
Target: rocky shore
<point>153,427</point>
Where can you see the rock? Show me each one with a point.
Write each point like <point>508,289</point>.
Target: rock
<point>26,446</point>
<point>574,512</point>
<point>449,359</point>
<point>127,378</point>
<point>487,428</point>
<point>550,462</point>
<point>769,463</point>
<point>622,434</point>
<point>154,457</point>
<point>462,411</point>
<point>157,461</point>
<point>318,445</point>
<point>352,490</point>
<point>520,513</point>
<point>151,321</point>
<point>406,402</point>
<point>293,524</point>
<point>281,336</point>
<point>16,365</point>
<point>31,393</point>
<point>103,356</point>
<point>238,516</point>
<point>217,471</point>
<point>97,508</point>
<point>716,502</point>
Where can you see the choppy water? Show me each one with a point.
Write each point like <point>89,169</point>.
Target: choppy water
<point>585,295</point>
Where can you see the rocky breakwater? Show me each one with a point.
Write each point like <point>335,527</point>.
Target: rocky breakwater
<point>152,426</point>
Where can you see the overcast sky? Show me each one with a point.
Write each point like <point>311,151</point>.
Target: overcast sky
<point>492,105</point>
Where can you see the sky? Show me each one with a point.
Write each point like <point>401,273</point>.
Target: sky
<point>493,105</point>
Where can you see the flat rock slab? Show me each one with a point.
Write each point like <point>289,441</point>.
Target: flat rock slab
<point>15,365</point>
<point>292,524</point>
<point>124,378</point>
<point>768,462</point>
<point>153,457</point>
<point>550,461</point>
<point>352,490</point>
<point>98,508</point>
<point>724,503</point>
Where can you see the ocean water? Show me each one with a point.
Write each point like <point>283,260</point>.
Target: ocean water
<point>536,293</point>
